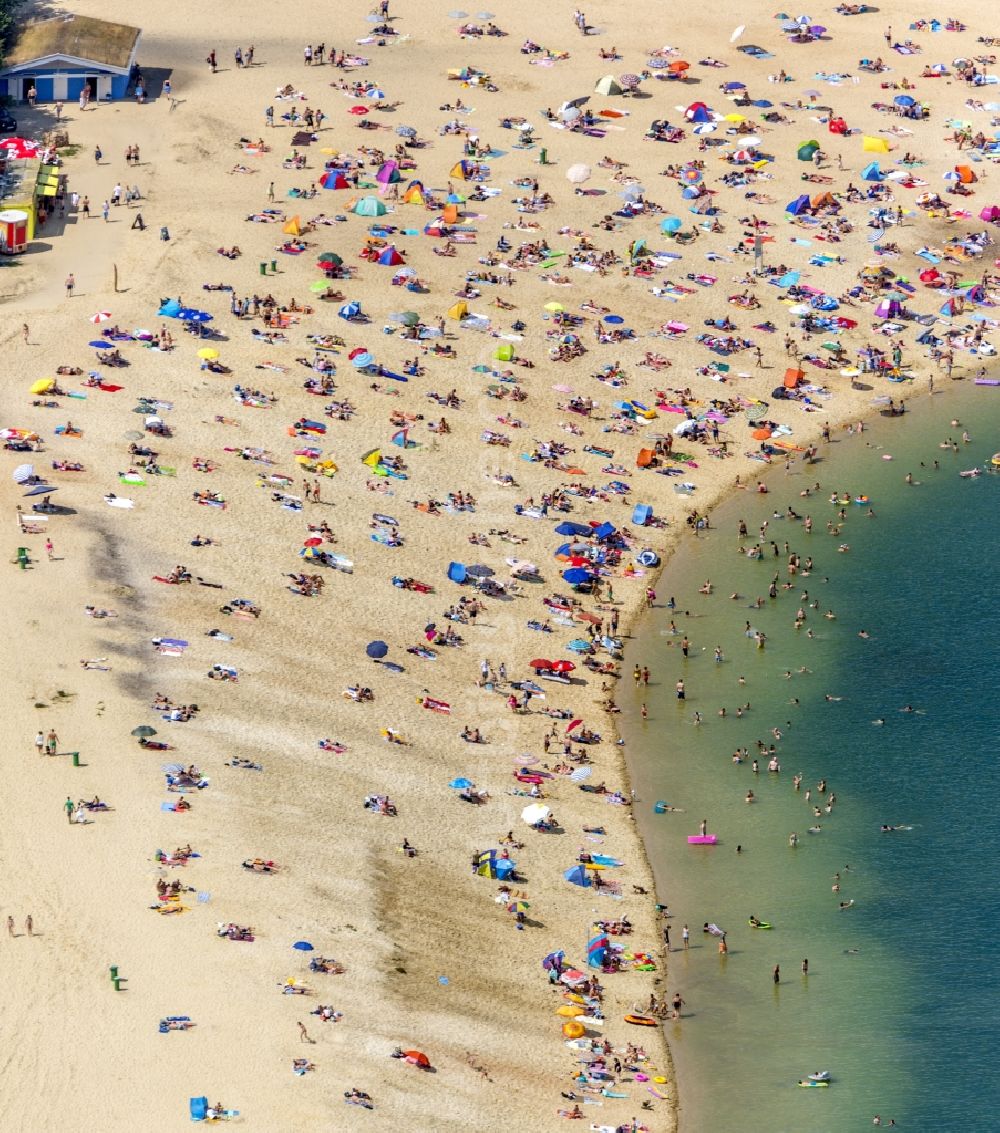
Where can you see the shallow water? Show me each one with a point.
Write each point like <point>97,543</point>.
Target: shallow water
<point>899,1001</point>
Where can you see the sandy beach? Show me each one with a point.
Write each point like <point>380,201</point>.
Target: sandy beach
<point>436,958</point>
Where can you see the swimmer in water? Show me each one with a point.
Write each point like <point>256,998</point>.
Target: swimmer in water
<point>879,722</point>
<point>864,633</point>
<point>835,698</point>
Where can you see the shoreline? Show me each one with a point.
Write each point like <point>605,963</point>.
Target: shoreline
<point>634,632</point>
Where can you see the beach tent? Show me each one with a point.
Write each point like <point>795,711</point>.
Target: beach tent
<point>698,112</point>
<point>170,309</point>
<point>807,150</point>
<point>388,173</point>
<point>449,214</point>
<point>458,310</point>
<point>597,948</point>
<point>370,206</point>
<point>837,126</point>
<point>485,863</point>
<point>462,170</point>
<point>608,85</point>
<point>198,1108</point>
<point>966,174</point>
<point>991,214</point>
<point>889,309</point>
<point>457,572</point>
<point>334,179</point>
<point>874,145</point>
<point>292,227</point>
<point>642,514</point>
<point>568,527</point>
<point>799,206</point>
<point>414,194</point>
<point>822,200</point>
<point>793,377</point>
<point>578,876</point>
<point>871,172</point>
<point>390,257</point>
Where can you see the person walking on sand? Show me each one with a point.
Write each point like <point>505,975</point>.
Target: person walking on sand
<point>29,925</point>
<point>49,548</point>
<point>51,742</point>
<point>26,333</point>
<point>10,927</point>
<point>70,286</point>
<point>69,807</point>
<point>304,1034</point>
<point>40,743</point>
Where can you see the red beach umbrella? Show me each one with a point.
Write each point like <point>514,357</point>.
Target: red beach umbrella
<point>313,542</point>
<point>573,724</point>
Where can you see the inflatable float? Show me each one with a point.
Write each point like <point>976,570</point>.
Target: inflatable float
<point>702,839</point>
<point>641,1021</point>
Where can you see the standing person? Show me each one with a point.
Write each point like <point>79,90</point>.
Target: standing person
<point>681,694</point>
<point>686,938</point>
<point>676,1003</point>
<point>666,936</point>
<point>307,54</point>
<point>10,927</point>
<point>49,548</point>
<point>304,1034</point>
<point>270,192</point>
<point>29,925</point>
<point>51,742</point>
<point>32,95</point>
<point>69,807</point>
<point>26,333</point>
<point>40,743</point>
<point>805,967</point>
<point>168,89</point>
<point>238,57</point>
<point>98,154</point>
<point>59,110</point>
<point>776,974</point>
<point>105,211</point>
<point>85,207</point>
<point>211,61</point>
<point>269,116</point>
<point>248,56</point>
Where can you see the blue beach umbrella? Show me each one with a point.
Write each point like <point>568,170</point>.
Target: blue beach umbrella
<point>359,361</point>
<point>377,650</point>
<point>575,575</point>
<point>461,783</point>
<point>98,345</point>
<point>303,946</point>
<point>671,224</point>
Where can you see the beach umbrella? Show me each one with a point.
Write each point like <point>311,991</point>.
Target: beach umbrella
<point>563,667</point>
<point>657,64</point>
<point>406,131</point>
<point>478,570</point>
<point>573,725</point>
<point>554,307</point>
<point>303,946</point>
<point>608,86</point>
<point>671,224</point>
<point>374,92</point>
<point>99,344</point>
<point>359,361</point>
<point>417,1058</point>
<point>573,1030</point>
<point>43,385</point>
<point>570,1010</point>
<point>538,663</point>
<point>535,813</point>
<point>144,731</point>
<point>189,315</point>
<point>734,86</point>
<point>518,907</point>
<point>358,111</point>
<point>570,113</point>
<point>737,33</point>
<point>208,353</point>
<point>350,310</point>
<point>460,783</point>
<point>313,541</point>
<point>679,66</point>
<point>329,258</point>
<point>99,317</point>
<point>629,81</point>
<point>41,489</point>
<point>578,645</point>
<point>377,650</point>
<point>133,435</point>
<point>23,473</point>
<point>406,318</point>
<point>577,174</point>
<point>553,960</point>
<point>576,575</point>
<point>581,773</point>
<point>319,286</point>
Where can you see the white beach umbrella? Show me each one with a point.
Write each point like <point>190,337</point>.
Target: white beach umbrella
<point>535,813</point>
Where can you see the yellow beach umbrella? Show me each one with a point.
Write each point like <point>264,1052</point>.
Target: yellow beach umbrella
<point>573,1029</point>
<point>43,385</point>
<point>734,118</point>
<point>570,1010</point>
<point>208,353</point>
<point>554,307</point>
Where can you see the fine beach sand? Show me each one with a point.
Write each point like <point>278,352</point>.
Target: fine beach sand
<point>399,926</point>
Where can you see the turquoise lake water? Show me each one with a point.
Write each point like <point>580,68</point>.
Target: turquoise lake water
<point>900,1000</point>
